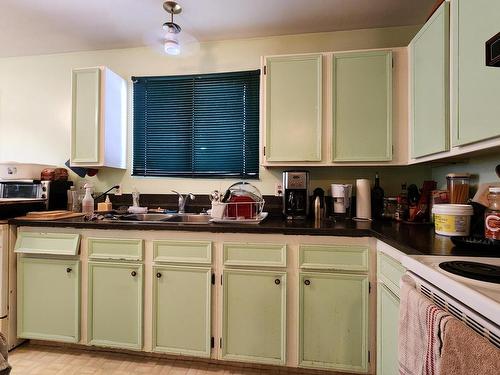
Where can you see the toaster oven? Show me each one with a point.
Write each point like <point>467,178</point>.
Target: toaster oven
<point>54,193</point>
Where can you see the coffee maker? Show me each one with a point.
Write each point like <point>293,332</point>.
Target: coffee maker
<point>295,194</point>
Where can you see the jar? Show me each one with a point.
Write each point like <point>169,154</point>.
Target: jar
<point>458,187</point>
<point>492,215</point>
<point>452,219</point>
<point>390,207</point>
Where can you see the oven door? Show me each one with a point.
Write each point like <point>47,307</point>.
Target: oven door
<point>21,189</point>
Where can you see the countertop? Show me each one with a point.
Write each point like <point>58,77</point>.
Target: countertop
<point>411,239</point>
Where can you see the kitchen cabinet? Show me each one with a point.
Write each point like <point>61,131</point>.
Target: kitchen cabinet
<point>115,305</point>
<point>48,304</point>
<point>181,308</point>
<point>387,331</point>
<point>362,106</point>
<point>333,321</point>
<point>254,311</point>
<point>475,85</point>
<point>98,124</point>
<point>293,108</point>
<point>389,272</point>
<point>430,85</point>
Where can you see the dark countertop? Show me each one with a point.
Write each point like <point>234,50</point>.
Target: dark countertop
<point>411,239</point>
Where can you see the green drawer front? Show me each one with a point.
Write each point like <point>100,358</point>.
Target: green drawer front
<point>389,272</point>
<point>246,254</point>
<point>198,252</point>
<point>348,258</point>
<point>117,249</point>
<point>47,243</point>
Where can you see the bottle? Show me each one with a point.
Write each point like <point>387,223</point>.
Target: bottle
<point>492,215</point>
<point>88,202</point>
<point>69,206</point>
<point>377,199</point>
<point>402,208</point>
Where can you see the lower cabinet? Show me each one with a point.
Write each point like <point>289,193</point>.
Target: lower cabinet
<point>254,309</point>
<point>181,310</point>
<point>387,331</point>
<point>115,305</point>
<point>48,299</point>
<point>333,321</point>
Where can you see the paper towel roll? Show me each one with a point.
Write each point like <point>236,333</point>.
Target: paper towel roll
<point>363,199</point>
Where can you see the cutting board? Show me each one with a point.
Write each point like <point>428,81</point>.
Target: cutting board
<point>50,215</point>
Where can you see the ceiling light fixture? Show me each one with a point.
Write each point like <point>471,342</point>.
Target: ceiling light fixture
<point>171,43</point>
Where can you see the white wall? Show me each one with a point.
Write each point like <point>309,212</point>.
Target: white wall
<point>35,101</point>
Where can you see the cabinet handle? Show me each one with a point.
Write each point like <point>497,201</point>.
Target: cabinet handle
<point>133,273</point>
<point>158,275</point>
<point>68,270</point>
<point>307,282</point>
<point>277,281</point>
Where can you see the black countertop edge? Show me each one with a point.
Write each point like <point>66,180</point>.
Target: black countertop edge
<point>411,239</point>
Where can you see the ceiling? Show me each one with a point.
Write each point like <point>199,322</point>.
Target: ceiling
<point>30,27</point>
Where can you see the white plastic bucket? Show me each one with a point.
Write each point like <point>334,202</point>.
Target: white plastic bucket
<point>452,219</point>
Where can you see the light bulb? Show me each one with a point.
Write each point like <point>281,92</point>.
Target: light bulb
<point>171,45</point>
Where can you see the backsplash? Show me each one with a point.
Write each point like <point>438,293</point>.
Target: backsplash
<point>482,170</point>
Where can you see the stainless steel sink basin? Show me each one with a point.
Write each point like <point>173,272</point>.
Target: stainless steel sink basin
<point>190,219</point>
<point>167,218</point>
<point>147,217</point>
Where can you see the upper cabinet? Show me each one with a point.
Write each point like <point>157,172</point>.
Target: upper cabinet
<point>335,108</point>
<point>429,58</point>
<point>475,85</point>
<point>293,108</point>
<point>362,106</point>
<point>98,125</point>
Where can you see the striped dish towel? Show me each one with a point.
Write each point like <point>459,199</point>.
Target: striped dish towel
<point>420,325</point>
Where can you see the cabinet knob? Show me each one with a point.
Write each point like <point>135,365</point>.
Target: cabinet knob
<point>68,270</point>
<point>277,281</point>
<point>307,282</point>
<point>158,275</point>
<point>133,273</point>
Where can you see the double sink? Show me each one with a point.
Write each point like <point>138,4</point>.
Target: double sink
<point>167,218</point>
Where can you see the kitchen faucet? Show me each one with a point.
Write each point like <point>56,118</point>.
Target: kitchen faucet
<point>183,200</point>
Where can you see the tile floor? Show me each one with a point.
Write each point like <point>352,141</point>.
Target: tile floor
<point>34,359</point>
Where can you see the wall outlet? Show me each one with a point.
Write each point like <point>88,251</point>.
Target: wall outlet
<point>119,190</point>
<point>278,189</point>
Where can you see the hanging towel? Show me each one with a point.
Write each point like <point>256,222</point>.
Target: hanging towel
<point>4,365</point>
<point>465,352</point>
<point>420,324</point>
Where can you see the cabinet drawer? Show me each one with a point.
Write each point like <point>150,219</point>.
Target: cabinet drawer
<point>340,257</point>
<point>117,249</point>
<point>199,252</point>
<point>389,272</point>
<point>247,254</point>
<point>47,243</point>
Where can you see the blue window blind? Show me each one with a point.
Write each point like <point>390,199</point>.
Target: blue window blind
<point>204,125</point>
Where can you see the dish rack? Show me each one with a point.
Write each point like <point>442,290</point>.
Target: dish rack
<point>238,210</point>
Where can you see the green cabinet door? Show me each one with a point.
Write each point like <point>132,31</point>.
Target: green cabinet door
<point>115,305</point>
<point>48,299</point>
<point>362,106</point>
<point>430,85</point>
<point>387,331</point>
<point>85,123</point>
<point>333,321</point>
<point>254,307</point>
<point>293,108</point>
<point>181,309</point>
<point>475,85</point>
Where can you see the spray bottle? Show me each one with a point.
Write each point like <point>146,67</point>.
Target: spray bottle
<point>88,201</point>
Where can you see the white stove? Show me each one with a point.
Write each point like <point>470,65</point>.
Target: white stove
<point>480,297</point>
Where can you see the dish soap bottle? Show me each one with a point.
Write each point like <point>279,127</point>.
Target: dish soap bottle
<point>88,201</point>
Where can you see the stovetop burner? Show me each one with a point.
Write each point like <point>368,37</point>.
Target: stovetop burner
<point>473,270</point>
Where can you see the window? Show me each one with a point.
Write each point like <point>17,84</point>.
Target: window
<point>204,125</point>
